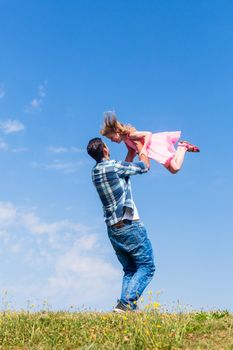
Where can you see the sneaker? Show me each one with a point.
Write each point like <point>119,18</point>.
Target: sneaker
<point>120,308</point>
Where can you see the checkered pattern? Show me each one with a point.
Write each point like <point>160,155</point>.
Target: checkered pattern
<point>111,179</point>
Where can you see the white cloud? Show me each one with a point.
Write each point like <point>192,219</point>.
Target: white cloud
<point>7,213</point>
<point>41,89</point>
<point>3,145</point>
<point>52,230</point>
<point>15,248</point>
<point>84,272</point>
<point>17,218</point>
<point>36,102</point>
<point>10,126</point>
<point>64,167</point>
<point>65,150</point>
<point>20,150</point>
<point>2,91</point>
<point>70,254</point>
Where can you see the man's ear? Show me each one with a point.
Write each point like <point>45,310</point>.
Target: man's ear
<point>105,151</point>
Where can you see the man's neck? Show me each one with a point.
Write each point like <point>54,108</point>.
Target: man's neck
<point>103,160</point>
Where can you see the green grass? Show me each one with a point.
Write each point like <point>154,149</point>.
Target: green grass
<point>151,329</point>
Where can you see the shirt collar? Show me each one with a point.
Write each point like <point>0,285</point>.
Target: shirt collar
<point>103,160</point>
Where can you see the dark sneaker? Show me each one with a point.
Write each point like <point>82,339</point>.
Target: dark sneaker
<point>120,308</point>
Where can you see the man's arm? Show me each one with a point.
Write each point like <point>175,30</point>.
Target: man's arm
<point>130,155</point>
<point>126,169</point>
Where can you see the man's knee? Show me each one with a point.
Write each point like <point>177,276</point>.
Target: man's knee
<point>152,269</point>
<point>151,263</point>
<point>129,270</point>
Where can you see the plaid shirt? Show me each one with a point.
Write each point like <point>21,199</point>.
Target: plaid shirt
<point>111,179</point>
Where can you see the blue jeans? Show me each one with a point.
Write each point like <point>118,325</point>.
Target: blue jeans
<point>134,251</point>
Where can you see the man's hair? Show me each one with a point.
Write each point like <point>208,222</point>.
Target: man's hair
<point>95,148</point>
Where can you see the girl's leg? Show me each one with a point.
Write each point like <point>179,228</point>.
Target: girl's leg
<point>175,163</point>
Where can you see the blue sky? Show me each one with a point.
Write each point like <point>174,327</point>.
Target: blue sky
<point>162,66</point>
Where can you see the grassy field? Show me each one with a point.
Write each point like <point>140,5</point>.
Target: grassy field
<point>150,329</point>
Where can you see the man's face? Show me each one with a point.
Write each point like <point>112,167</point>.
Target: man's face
<point>106,151</point>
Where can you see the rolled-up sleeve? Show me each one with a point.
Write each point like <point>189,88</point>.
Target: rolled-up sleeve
<point>125,169</point>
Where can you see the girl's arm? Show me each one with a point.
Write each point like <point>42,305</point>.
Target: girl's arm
<point>138,135</point>
<point>130,155</point>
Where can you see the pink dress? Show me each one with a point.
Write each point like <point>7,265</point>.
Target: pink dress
<point>161,147</point>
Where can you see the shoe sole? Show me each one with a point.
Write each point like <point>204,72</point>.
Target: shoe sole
<point>119,311</point>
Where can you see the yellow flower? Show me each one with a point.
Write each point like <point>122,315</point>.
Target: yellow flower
<point>141,300</point>
<point>158,326</point>
<point>150,292</point>
<point>134,302</point>
<point>156,305</point>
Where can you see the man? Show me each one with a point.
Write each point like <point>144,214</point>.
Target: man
<point>126,232</point>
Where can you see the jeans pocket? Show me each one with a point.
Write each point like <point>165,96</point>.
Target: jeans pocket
<point>132,239</point>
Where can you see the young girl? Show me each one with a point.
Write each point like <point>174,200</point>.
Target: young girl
<point>157,146</point>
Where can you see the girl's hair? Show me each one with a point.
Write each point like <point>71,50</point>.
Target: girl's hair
<point>112,125</point>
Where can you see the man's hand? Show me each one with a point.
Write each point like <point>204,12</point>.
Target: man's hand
<point>145,159</point>
<point>130,155</point>
<point>139,145</point>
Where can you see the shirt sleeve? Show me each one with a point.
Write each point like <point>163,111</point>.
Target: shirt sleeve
<point>125,169</point>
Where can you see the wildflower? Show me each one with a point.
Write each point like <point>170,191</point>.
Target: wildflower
<point>150,292</point>
<point>156,305</point>
<point>158,326</point>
